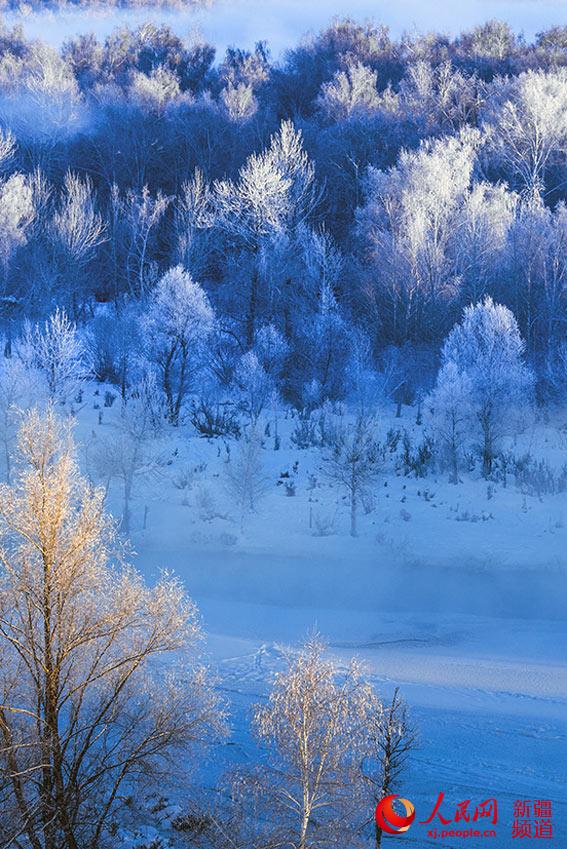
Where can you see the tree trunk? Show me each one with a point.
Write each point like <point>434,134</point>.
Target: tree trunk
<point>353,507</point>
<point>303,832</point>
<point>378,837</point>
<point>126,513</point>
<point>454,478</point>
<point>487,450</point>
<point>8,461</point>
<point>181,385</point>
<point>167,387</point>
<point>252,307</point>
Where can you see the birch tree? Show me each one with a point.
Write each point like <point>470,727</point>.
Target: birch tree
<point>275,193</point>
<point>353,464</point>
<point>245,477</point>
<point>59,354</point>
<point>526,119</point>
<point>77,231</point>
<point>86,711</point>
<point>178,323</point>
<point>315,729</point>
<point>487,349</point>
<point>451,414</point>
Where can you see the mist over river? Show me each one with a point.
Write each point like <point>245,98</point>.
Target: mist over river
<point>282,23</point>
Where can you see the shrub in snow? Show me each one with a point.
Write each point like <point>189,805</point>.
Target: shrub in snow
<point>532,476</point>
<point>318,428</point>
<point>416,460</point>
<point>306,433</point>
<point>211,418</point>
<point>206,505</point>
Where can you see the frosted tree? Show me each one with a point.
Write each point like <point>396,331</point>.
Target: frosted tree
<point>322,339</point>
<point>354,463</point>
<point>254,386</point>
<point>99,679</point>
<point>129,453</point>
<point>30,275</point>
<point>271,349</point>
<point>18,390</point>
<point>275,193</point>
<point>16,214</point>
<point>253,210</point>
<point>351,91</point>
<point>392,738</point>
<point>450,402</point>
<point>77,231</point>
<point>493,40</point>
<point>178,323</point>
<point>553,284</point>
<point>323,262</point>
<point>537,283</point>
<point>154,91</point>
<point>526,119</point>
<point>194,221</point>
<point>408,224</point>
<point>7,149</point>
<point>315,729</point>
<point>117,342</point>
<point>245,476</point>
<point>554,376</point>
<point>141,214</point>
<point>479,246</point>
<point>438,98</point>
<point>59,354</point>
<point>487,350</point>
<point>239,101</point>
<point>41,100</point>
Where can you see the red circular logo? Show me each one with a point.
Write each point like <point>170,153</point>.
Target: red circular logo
<point>388,820</point>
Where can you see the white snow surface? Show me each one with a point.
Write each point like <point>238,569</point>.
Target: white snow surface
<point>457,597</point>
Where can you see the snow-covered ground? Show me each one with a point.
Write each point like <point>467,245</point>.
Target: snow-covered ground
<point>456,594</point>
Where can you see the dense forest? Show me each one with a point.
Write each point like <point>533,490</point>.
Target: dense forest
<point>342,206</point>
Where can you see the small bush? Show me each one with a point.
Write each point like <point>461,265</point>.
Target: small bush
<point>192,823</point>
<point>215,419</point>
<point>323,526</point>
<point>531,476</point>
<point>417,460</point>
